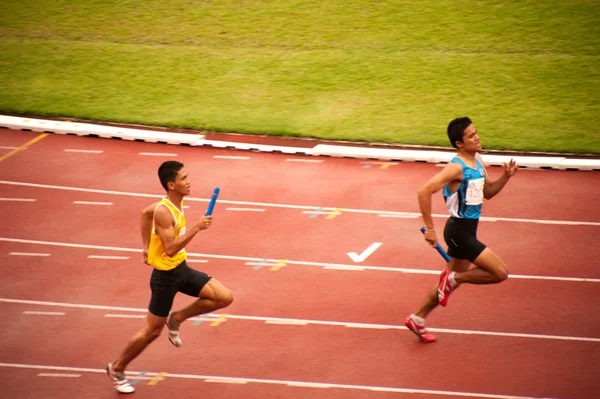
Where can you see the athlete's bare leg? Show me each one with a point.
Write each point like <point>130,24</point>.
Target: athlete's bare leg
<point>213,296</point>
<point>490,269</point>
<point>431,299</point>
<point>140,341</point>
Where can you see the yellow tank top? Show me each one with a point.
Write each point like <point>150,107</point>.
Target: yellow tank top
<point>157,257</point>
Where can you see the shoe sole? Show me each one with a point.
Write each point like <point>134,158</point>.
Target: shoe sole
<point>442,298</point>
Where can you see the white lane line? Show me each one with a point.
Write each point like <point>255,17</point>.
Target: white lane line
<point>157,154</point>
<point>349,268</point>
<point>34,312</point>
<point>125,316</point>
<point>108,257</point>
<point>27,254</point>
<point>246,209</point>
<point>304,160</point>
<point>92,203</point>
<point>3,147</point>
<point>230,157</point>
<point>271,320</point>
<point>267,263</point>
<point>205,317</point>
<point>226,381</point>
<point>196,261</point>
<point>18,199</point>
<point>84,151</point>
<point>60,375</point>
<point>290,383</point>
<point>293,262</point>
<point>290,206</point>
<point>288,322</point>
<point>321,213</point>
<point>400,216</point>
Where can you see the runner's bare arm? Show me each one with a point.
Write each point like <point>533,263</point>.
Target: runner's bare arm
<point>146,229</point>
<point>491,188</point>
<point>451,172</point>
<point>163,223</point>
<point>146,224</point>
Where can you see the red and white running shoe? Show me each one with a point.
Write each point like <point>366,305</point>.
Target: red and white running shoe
<point>420,331</point>
<point>444,288</point>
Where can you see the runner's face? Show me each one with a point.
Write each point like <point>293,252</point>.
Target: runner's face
<point>182,182</point>
<point>470,140</point>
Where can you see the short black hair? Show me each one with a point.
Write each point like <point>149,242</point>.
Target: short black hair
<point>456,129</point>
<point>167,172</point>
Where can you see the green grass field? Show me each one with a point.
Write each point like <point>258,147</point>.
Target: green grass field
<point>527,72</point>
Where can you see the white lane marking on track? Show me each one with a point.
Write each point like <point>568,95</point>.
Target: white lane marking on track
<point>400,216</point>
<point>306,321</point>
<point>230,157</point>
<point>157,154</point>
<point>288,322</point>
<point>365,254</point>
<point>84,151</point>
<point>226,381</point>
<point>34,312</point>
<point>246,209</point>
<point>290,383</point>
<point>60,375</point>
<point>108,257</point>
<point>18,199</point>
<point>287,206</point>
<point>304,160</point>
<point>378,163</point>
<point>349,268</point>
<point>92,203</point>
<point>3,147</point>
<point>292,262</point>
<point>28,254</point>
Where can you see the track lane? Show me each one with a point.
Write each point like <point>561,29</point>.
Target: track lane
<point>527,196</point>
<point>279,233</point>
<point>301,292</point>
<point>544,368</point>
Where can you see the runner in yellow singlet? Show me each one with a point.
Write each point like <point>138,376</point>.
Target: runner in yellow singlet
<point>165,236</point>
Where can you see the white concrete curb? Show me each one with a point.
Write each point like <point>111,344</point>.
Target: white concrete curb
<point>344,151</point>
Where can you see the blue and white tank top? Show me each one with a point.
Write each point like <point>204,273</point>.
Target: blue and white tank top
<point>467,200</point>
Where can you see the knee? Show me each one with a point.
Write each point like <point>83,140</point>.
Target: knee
<point>225,299</point>
<point>501,274</point>
<point>152,333</point>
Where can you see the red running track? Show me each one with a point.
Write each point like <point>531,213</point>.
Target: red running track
<point>536,335</point>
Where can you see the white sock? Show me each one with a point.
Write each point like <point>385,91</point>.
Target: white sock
<point>418,320</point>
<point>451,280</point>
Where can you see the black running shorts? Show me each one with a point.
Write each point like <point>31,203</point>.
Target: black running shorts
<point>461,237</point>
<point>166,283</point>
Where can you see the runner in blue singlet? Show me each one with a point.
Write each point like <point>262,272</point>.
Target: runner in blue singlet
<point>465,184</point>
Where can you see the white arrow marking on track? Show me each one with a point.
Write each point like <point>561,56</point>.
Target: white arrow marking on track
<point>366,253</point>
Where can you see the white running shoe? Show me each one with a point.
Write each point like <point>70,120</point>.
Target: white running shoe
<point>173,331</point>
<point>119,381</point>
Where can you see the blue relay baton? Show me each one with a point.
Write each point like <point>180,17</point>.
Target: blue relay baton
<point>213,200</point>
<point>439,248</point>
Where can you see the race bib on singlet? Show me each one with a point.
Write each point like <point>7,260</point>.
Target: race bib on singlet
<point>475,192</point>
